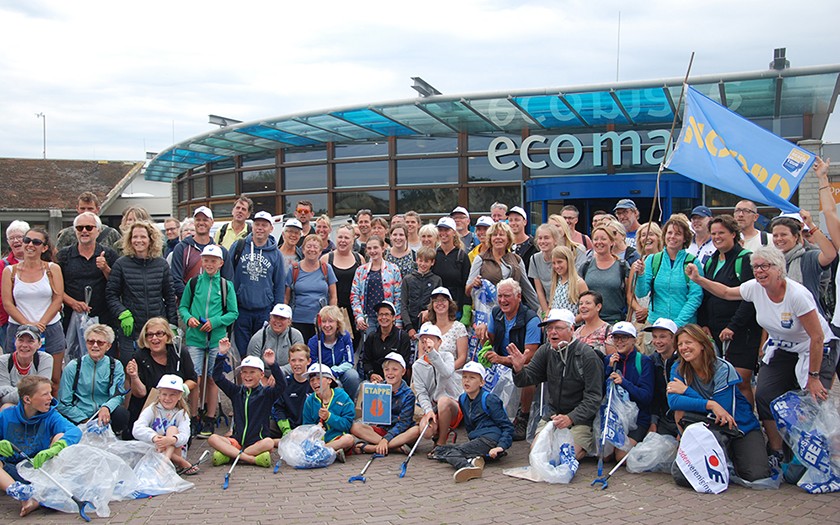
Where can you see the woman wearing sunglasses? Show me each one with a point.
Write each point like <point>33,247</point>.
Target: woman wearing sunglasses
<point>33,291</point>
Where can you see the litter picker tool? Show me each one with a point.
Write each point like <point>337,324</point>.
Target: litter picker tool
<point>82,504</point>
<point>277,466</point>
<point>227,476</point>
<point>405,463</point>
<point>606,417</point>
<point>361,476</point>
<point>605,481</point>
<point>201,460</point>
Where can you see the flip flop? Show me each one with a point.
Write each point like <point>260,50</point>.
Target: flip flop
<point>192,470</point>
<point>359,448</point>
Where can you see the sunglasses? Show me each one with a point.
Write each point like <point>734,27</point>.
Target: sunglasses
<point>96,343</point>
<point>85,227</point>
<point>36,242</point>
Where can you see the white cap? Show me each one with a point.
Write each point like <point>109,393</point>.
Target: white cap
<point>393,356</point>
<point>282,310</point>
<point>665,324</point>
<point>796,216</point>
<point>459,209</point>
<point>475,368</point>
<point>315,369</point>
<point>446,222</point>
<point>624,328</point>
<point>484,220</point>
<point>294,223</point>
<point>441,290</point>
<point>559,314</point>
<point>519,211</point>
<point>205,210</point>
<point>213,250</point>
<point>387,304</point>
<point>172,382</point>
<point>429,329</point>
<point>251,361</point>
<point>264,215</point>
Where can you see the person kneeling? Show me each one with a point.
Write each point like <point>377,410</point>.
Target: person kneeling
<point>488,427</point>
<point>330,407</point>
<point>252,404</point>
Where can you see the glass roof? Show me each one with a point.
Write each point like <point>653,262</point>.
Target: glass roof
<point>758,95</point>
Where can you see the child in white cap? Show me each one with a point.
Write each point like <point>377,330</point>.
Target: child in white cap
<point>165,423</point>
<point>330,407</point>
<point>436,385</point>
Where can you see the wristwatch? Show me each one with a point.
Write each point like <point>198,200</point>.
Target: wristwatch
<point>814,374</point>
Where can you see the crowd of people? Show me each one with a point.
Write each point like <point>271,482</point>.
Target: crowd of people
<point>703,314</point>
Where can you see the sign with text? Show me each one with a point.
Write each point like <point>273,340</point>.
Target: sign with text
<point>376,403</point>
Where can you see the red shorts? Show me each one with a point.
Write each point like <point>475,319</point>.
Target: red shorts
<point>379,430</point>
<point>457,421</point>
<point>234,443</point>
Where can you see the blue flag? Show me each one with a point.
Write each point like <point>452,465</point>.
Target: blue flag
<point>719,148</point>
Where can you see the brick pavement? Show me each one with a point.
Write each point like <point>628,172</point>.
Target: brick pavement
<point>428,495</point>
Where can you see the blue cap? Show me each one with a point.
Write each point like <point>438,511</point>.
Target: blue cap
<point>702,211</point>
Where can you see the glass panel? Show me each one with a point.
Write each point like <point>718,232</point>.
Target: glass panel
<point>549,111</point>
<point>182,191</point>
<point>223,184</point>
<point>305,155</point>
<point>361,149</point>
<point>431,200</point>
<point>267,203</point>
<point>502,113</point>
<point>223,164</point>
<point>341,127</point>
<point>751,98</point>
<point>811,94</point>
<point>259,181</point>
<point>305,130</point>
<point>264,159</point>
<point>353,174</point>
<point>305,177</point>
<point>480,170</point>
<point>350,202</point>
<point>318,200</point>
<point>374,121</point>
<point>596,108</point>
<point>415,117</point>
<point>646,105</point>
<point>482,142</point>
<point>198,188</point>
<point>427,171</point>
<point>235,147</point>
<point>251,140</point>
<point>276,135</point>
<point>458,116</point>
<point>481,198</point>
<point>222,210</point>
<point>583,165</point>
<point>423,145</point>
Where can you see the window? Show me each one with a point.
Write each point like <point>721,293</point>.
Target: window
<point>348,203</point>
<point>480,170</point>
<point>222,209</point>
<point>306,177</point>
<point>362,149</point>
<point>259,181</point>
<point>223,184</point>
<point>198,188</point>
<point>355,174</point>
<point>431,200</point>
<point>305,155</point>
<point>424,145</point>
<point>427,171</point>
<point>318,200</point>
<point>482,197</point>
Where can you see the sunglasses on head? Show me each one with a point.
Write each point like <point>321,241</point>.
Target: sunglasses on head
<point>36,242</point>
<point>85,227</point>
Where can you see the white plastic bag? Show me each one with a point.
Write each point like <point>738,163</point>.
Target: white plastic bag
<point>552,457</point>
<point>622,419</point>
<point>499,380</point>
<point>304,448</point>
<point>702,461</point>
<point>655,453</point>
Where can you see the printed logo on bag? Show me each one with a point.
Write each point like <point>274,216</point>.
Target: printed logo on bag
<point>713,465</point>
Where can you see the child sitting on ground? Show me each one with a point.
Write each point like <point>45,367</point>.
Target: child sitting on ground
<point>489,429</point>
<point>165,423</point>
<point>287,412</point>
<point>402,430</point>
<point>252,404</point>
<point>436,385</point>
<point>330,407</point>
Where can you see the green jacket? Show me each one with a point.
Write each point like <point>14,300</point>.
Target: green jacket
<point>93,391</point>
<point>200,308</point>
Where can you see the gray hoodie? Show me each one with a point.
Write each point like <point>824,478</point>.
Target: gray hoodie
<point>435,379</point>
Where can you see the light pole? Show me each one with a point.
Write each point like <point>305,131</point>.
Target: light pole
<point>42,115</point>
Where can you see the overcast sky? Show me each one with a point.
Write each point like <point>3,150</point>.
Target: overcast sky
<point>117,79</point>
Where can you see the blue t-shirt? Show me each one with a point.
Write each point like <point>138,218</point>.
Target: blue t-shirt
<point>532,331</point>
<point>308,291</point>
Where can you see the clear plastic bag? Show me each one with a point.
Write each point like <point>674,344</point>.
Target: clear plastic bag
<point>552,457</point>
<point>304,448</point>
<point>654,454</point>
<point>499,381</point>
<point>622,419</point>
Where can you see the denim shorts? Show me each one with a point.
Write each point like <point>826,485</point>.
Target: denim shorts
<point>197,355</point>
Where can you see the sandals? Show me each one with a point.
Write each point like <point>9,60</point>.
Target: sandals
<point>192,470</point>
<point>359,447</point>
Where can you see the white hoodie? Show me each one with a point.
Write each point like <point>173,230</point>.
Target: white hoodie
<point>435,379</point>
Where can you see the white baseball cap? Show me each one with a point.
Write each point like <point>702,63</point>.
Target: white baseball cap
<point>665,324</point>
<point>387,304</point>
<point>624,328</point>
<point>251,361</point>
<point>264,215</point>
<point>316,369</point>
<point>459,209</point>
<point>519,211</point>
<point>447,222</point>
<point>205,210</point>
<point>484,220</point>
<point>213,250</point>
<point>475,368</point>
<point>393,356</point>
<point>282,310</point>
<point>559,314</point>
<point>429,329</point>
<point>294,223</point>
<point>172,382</point>
<point>441,290</point>
<point>795,215</point>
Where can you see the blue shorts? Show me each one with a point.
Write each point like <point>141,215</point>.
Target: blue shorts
<point>11,469</point>
<point>53,337</point>
<point>197,355</point>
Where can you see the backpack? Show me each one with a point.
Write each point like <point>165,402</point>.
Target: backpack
<point>739,265</point>
<point>296,272</point>
<point>622,265</point>
<point>224,290</point>
<point>35,361</point>
<point>656,263</point>
<point>47,269</point>
<point>78,361</point>
<point>237,252</point>
<point>223,230</point>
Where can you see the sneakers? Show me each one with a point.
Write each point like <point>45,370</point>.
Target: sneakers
<point>473,471</point>
<point>206,428</point>
<point>339,456</point>
<point>220,459</point>
<point>520,425</point>
<point>775,459</point>
<point>263,460</point>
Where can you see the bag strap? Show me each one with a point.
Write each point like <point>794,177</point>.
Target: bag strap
<point>237,252</point>
<point>35,361</point>
<point>638,363</point>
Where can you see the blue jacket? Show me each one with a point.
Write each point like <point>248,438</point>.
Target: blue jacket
<point>639,387</point>
<point>402,411</point>
<point>290,404</point>
<point>342,412</point>
<point>251,406</point>
<point>339,359</point>
<point>726,393</point>
<point>485,416</point>
<point>259,278</point>
<point>93,391</point>
<point>672,295</point>
<point>34,434</point>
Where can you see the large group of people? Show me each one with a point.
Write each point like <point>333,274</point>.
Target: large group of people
<point>682,316</point>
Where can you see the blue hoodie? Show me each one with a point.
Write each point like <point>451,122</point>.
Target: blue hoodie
<point>485,416</point>
<point>259,277</point>
<point>34,434</point>
<point>639,386</point>
<point>339,358</point>
<point>402,411</point>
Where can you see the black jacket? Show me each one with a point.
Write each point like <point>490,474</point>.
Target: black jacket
<point>143,286</point>
<point>376,349</point>
<point>717,313</point>
<point>415,297</point>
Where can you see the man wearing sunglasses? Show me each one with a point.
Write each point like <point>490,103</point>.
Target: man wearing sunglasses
<point>89,202</point>
<point>304,213</point>
<point>86,263</point>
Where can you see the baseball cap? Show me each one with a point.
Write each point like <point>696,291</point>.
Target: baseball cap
<point>294,223</point>
<point>625,204</point>
<point>213,250</point>
<point>484,220</point>
<point>475,368</point>
<point>282,310</point>
<point>264,215</point>
<point>441,290</point>
<point>795,216</point>
<point>665,324</point>
<point>459,209</point>
<point>251,361</point>
<point>172,382</point>
<point>702,211</point>
<point>559,314</point>
<point>624,328</point>
<point>446,222</point>
<point>389,304</point>
<point>393,356</point>
<point>31,331</point>
<point>429,329</point>
<point>519,211</point>
<point>205,210</point>
<point>315,369</point>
